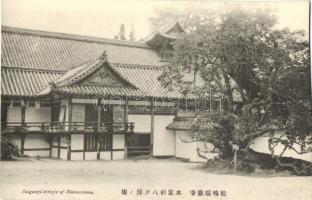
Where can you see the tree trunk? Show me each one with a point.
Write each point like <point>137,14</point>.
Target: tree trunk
<point>229,93</point>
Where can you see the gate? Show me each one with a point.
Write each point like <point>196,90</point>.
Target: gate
<point>138,144</point>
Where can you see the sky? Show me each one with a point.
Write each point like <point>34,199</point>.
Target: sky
<point>102,18</point>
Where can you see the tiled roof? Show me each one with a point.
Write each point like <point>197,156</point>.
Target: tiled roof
<point>57,51</point>
<point>187,123</point>
<point>33,59</point>
<point>99,90</point>
<point>21,82</point>
<point>146,80</point>
<point>143,82</point>
<point>165,30</point>
<point>81,72</point>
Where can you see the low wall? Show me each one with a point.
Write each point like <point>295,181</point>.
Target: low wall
<point>187,149</point>
<point>163,144</point>
<point>31,144</point>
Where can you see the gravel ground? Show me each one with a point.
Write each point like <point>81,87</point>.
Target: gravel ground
<point>55,179</point>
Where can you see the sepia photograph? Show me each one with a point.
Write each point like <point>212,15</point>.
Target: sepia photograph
<point>155,99</point>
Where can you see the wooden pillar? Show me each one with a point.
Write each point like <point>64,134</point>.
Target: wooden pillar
<point>98,143</point>
<point>112,135</point>
<point>69,148</point>
<point>84,147</point>
<point>126,112</point>
<point>23,112</point>
<point>99,113</point>
<point>58,146</point>
<point>50,142</point>
<point>52,108</point>
<point>23,115</point>
<point>70,112</point>
<point>126,125</point>
<point>22,143</point>
<point>70,116</point>
<point>152,125</point>
<point>98,147</point>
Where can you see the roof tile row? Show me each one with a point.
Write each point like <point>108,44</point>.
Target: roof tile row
<point>53,53</point>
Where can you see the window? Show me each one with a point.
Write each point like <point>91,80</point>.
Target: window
<point>105,142</point>
<point>90,142</point>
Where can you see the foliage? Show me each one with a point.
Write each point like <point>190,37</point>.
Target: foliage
<point>8,150</point>
<point>222,136</point>
<point>242,52</point>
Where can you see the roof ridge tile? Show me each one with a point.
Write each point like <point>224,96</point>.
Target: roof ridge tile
<point>60,35</point>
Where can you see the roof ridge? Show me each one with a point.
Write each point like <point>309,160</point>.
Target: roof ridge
<point>33,69</point>
<point>69,36</point>
<point>159,67</point>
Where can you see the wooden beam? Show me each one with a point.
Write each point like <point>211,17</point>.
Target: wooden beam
<point>69,148</point>
<point>52,108</point>
<point>23,112</point>
<point>22,143</point>
<point>126,125</point>
<point>70,112</point>
<point>59,146</point>
<point>50,142</point>
<point>152,125</point>
<point>112,135</point>
<point>126,110</point>
<point>84,146</point>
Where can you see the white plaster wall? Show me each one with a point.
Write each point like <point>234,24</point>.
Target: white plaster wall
<point>63,154</point>
<point>187,149</point>
<point>77,142</point>
<point>90,155</point>
<point>54,152</point>
<point>105,155</point>
<point>45,153</point>
<point>14,114</point>
<point>118,155</point>
<point>163,144</point>
<point>142,123</point>
<point>184,147</point>
<point>78,114</point>
<point>76,156</point>
<point>260,144</point>
<point>118,141</point>
<point>42,114</point>
<point>36,141</point>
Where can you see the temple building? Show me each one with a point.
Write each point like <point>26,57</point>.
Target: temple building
<point>86,98</point>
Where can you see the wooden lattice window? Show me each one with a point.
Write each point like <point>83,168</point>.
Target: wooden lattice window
<point>93,142</point>
<point>105,142</point>
<point>90,142</point>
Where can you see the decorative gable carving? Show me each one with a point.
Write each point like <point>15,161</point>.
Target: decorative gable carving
<point>103,77</point>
